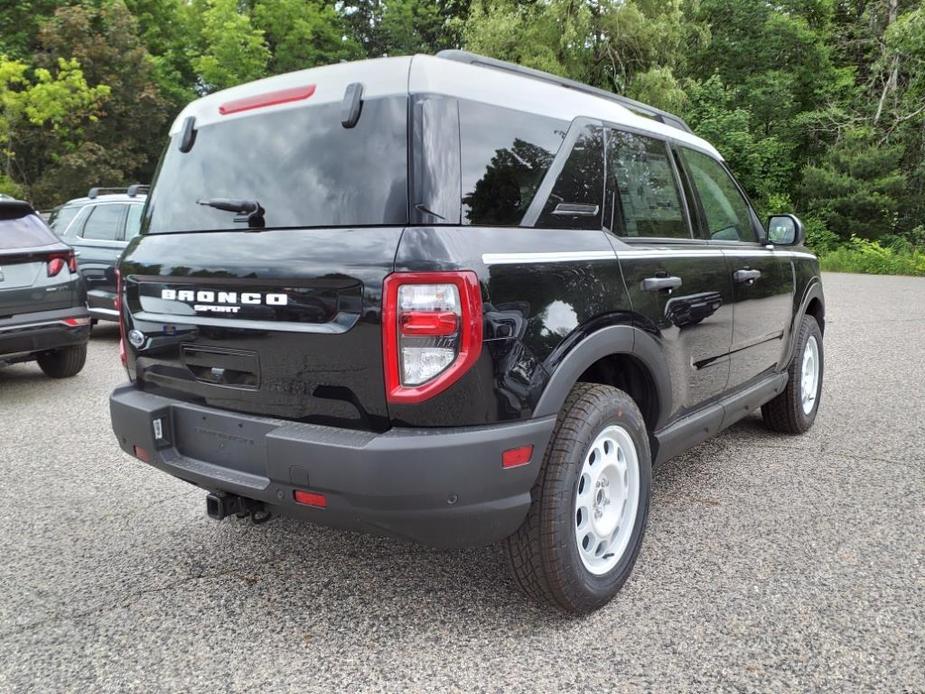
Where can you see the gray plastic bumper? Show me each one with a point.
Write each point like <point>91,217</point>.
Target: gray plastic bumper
<point>441,487</point>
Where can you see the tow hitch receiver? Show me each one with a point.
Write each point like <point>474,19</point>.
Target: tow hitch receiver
<point>220,505</point>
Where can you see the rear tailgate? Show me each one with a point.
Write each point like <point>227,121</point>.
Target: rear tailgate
<point>31,279</point>
<point>282,323</point>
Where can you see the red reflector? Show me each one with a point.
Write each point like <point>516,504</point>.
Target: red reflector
<point>310,498</point>
<point>74,322</point>
<point>141,454</point>
<point>283,96</point>
<point>428,323</point>
<point>515,457</point>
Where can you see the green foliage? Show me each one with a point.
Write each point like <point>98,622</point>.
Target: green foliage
<point>854,188</point>
<point>123,144</point>
<point>40,99</point>
<point>863,255</point>
<point>234,50</point>
<point>303,34</point>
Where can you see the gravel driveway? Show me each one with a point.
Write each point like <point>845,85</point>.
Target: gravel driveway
<point>770,563</point>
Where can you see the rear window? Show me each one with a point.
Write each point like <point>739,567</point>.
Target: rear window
<point>302,166</point>
<point>18,230</point>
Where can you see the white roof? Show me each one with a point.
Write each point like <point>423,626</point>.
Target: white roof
<point>424,74</point>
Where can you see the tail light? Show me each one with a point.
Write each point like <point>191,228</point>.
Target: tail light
<point>117,303</point>
<point>58,261</point>
<point>431,331</point>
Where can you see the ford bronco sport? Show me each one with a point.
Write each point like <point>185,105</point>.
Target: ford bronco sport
<point>458,301</point>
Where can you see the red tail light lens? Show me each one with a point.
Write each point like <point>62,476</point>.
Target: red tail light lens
<point>431,331</point>
<point>59,261</point>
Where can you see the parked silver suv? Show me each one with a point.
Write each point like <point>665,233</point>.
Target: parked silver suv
<point>99,227</point>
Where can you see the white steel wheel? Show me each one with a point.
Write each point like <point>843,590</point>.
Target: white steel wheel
<point>606,500</point>
<point>809,381</point>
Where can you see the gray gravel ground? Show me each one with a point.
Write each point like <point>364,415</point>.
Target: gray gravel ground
<point>771,563</point>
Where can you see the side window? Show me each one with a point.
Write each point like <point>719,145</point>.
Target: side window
<point>133,221</point>
<point>104,223</point>
<point>61,217</point>
<point>725,211</point>
<point>643,197</point>
<point>577,197</point>
<point>504,156</point>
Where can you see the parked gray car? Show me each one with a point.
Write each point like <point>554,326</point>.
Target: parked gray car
<point>99,228</point>
<point>43,314</point>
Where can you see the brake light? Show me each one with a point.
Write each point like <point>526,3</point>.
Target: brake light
<point>282,96</point>
<point>431,331</point>
<point>117,302</point>
<point>59,261</point>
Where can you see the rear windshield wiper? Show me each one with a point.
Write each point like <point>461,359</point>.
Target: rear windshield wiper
<point>249,211</point>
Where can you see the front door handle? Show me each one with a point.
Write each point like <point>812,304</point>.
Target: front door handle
<point>657,284</point>
<point>746,276</point>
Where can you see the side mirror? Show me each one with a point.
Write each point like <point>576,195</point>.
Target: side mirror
<point>786,230</point>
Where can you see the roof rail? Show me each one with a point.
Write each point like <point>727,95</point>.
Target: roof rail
<point>131,190</point>
<point>636,107</point>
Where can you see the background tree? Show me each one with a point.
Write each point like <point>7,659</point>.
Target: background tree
<point>124,142</point>
<point>55,101</point>
<point>233,50</point>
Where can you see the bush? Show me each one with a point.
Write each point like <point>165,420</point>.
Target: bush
<point>860,255</point>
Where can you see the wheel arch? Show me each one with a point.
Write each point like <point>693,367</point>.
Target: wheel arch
<point>812,304</point>
<point>623,356</point>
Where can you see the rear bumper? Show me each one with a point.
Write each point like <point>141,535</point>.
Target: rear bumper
<point>440,487</point>
<point>28,333</point>
<point>100,303</point>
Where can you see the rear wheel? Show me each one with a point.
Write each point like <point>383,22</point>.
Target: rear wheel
<point>794,410</point>
<point>583,532</point>
<point>64,362</point>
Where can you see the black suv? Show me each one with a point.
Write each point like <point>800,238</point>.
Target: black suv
<point>457,301</point>
<point>43,314</point>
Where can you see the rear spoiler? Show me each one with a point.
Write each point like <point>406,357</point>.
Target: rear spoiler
<point>16,206</point>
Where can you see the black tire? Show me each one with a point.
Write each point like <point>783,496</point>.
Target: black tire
<point>64,362</point>
<point>785,412</point>
<point>543,554</point>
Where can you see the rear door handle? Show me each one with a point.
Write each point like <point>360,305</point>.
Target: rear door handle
<point>746,276</point>
<point>657,284</point>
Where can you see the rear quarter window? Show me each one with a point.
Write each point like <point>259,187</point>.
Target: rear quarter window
<point>505,155</point>
<point>18,230</point>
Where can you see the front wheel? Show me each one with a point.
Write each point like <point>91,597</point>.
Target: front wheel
<point>584,529</point>
<point>794,410</point>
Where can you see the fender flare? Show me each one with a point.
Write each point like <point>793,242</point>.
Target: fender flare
<point>813,291</point>
<point>605,342</point>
